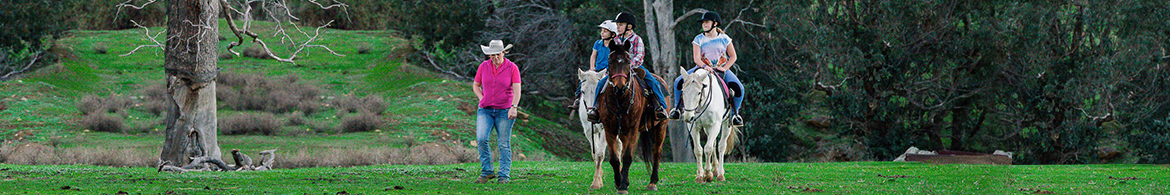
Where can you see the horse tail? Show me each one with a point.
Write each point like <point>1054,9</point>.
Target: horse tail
<point>732,138</point>
<point>645,145</point>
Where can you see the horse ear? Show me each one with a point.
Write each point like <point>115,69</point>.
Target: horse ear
<point>580,74</point>
<point>605,72</point>
<point>682,71</point>
<point>620,46</point>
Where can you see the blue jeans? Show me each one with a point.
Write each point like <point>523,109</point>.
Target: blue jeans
<point>732,84</point>
<point>650,80</point>
<point>488,119</point>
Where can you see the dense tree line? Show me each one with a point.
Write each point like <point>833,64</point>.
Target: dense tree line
<point>1054,81</point>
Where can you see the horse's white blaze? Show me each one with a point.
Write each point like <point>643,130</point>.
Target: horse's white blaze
<point>704,111</point>
<point>594,133</point>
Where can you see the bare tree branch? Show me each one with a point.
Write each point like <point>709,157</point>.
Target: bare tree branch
<point>153,38</point>
<point>740,14</point>
<point>427,56</point>
<point>35,57</point>
<point>240,32</point>
<point>129,4</point>
<point>688,14</point>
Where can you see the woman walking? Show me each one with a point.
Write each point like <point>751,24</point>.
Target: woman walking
<point>497,85</point>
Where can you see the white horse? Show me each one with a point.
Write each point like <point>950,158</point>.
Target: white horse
<point>705,112</point>
<point>594,133</point>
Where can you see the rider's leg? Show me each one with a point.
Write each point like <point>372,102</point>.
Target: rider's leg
<point>736,100</point>
<point>676,112</point>
<point>592,114</point>
<point>656,87</point>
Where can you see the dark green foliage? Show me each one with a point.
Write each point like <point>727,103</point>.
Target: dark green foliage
<point>28,23</point>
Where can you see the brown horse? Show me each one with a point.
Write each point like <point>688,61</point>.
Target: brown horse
<point>626,113</point>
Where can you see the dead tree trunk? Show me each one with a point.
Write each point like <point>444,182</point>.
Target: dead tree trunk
<point>191,69</point>
<point>660,23</point>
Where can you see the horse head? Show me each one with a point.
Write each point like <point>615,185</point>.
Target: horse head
<point>696,88</point>
<point>589,80</point>
<point>619,67</point>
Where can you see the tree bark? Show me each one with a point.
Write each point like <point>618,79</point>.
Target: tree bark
<point>659,17</point>
<point>190,60</point>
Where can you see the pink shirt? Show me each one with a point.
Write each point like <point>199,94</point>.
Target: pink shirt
<point>497,83</point>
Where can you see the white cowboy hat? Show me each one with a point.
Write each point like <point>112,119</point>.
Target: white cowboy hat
<point>609,25</point>
<point>495,47</point>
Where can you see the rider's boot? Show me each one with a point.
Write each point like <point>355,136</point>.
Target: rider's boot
<point>659,113</point>
<point>736,120</point>
<point>592,116</point>
<point>674,114</point>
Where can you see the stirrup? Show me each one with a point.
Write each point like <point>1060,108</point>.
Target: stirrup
<point>659,114</point>
<point>674,114</point>
<point>737,121</point>
<point>592,116</point>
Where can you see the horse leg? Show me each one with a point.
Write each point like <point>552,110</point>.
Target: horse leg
<point>697,149</point>
<point>614,160</point>
<point>657,139</point>
<point>598,158</point>
<point>709,150</point>
<point>726,135</point>
<point>627,160</point>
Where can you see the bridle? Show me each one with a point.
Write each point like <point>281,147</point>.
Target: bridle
<point>704,103</point>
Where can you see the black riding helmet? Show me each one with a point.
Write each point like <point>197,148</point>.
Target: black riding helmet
<point>624,18</point>
<point>712,16</point>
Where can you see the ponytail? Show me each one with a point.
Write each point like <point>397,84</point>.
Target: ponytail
<point>718,30</point>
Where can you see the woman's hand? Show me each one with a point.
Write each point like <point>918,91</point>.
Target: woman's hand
<point>512,113</point>
<point>721,69</point>
<point>709,68</point>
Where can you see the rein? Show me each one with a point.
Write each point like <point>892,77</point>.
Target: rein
<point>703,106</point>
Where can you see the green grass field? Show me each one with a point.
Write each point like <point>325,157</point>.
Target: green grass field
<point>574,178</point>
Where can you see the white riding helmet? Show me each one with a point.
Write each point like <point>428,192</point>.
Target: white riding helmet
<point>609,25</point>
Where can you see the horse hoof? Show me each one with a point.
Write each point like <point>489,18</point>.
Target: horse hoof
<point>595,186</point>
<point>708,178</point>
<point>699,180</point>
<point>652,187</point>
<point>623,192</point>
<point>720,178</point>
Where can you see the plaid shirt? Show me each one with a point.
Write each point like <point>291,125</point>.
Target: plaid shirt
<point>637,51</point>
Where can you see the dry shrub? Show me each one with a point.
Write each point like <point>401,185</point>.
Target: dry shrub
<point>3,106</point>
<point>28,154</point>
<point>350,104</point>
<point>438,153</point>
<point>362,122</point>
<point>93,104</point>
<point>154,99</point>
<point>364,48</point>
<point>249,124</point>
<point>280,95</point>
<point>100,49</point>
<point>296,119</point>
<point>425,154</point>
<point>226,56</point>
<point>143,125</point>
<point>37,154</point>
<point>256,52</point>
<point>126,157</point>
<point>103,122</point>
<point>90,104</point>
